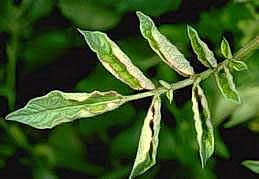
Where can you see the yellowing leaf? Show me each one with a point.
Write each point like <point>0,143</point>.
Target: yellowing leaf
<point>225,49</point>
<point>204,54</point>
<point>203,125</point>
<point>161,45</point>
<point>148,142</point>
<point>226,84</point>
<point>58,107</point>
<point>115,61</point>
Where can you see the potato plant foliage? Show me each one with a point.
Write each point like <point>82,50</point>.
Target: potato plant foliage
<point>59,107</point>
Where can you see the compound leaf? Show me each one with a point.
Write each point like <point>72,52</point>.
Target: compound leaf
<point>58,107</point>
<point>148,142</point>
<point>225,49</point>
<point>162,46</point>
<point>252,165</point>
<point>115,61</point>
<point>201,49</point>
<point>203,125</point>
<point>226,84</point>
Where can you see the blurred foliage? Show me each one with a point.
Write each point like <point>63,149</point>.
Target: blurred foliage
<point>105,146</point>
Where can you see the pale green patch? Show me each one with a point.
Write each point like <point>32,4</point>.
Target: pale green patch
<point>253,165</point>
<point>226,84</point>
<point>148,142</point>
<point>225,49</point>
<point>201,49</point>
<point>163,47</point>
<point>203,125</point>
<point>58,107</point>
<point>116,61</point>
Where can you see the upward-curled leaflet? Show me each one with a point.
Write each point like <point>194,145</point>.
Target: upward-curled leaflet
<point>59,107</point>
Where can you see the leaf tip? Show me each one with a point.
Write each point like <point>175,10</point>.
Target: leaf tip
<point>85,33</point>
<point>7,118</point>
<point>139,13</point>
<point>79,30</point>
<point>244,163</point>
<point>190,28</point>
<point>143,17</point>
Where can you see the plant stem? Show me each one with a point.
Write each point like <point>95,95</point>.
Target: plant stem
<point>11,49</point>
<point>241,54</point>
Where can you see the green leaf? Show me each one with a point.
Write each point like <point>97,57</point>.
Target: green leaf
<point>71,146</point>
<point>237,65</point>
<point>204,54</point>
<point>43,173</point>
<point>39,9</point>
<point>148,142</point>
<point>225,49</point>
<point>226,84</point>
<point>58,107</point>
<point>115,61</point>
<point>220,147</point>
<point>161,45</point>
<point>89,14</point>
<point>52,43</point>
<point>203,125</point>
<point>238,113</point>
<point>252,165</point>
<point>245,111</point>
<point>18,137</point>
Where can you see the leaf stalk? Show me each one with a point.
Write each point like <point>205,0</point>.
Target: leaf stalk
<point>241,54</point>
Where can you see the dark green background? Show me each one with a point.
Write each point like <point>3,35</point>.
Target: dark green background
<point>51,54</point>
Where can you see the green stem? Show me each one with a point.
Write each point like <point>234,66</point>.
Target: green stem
<point>242,54</point>
<point>11,49</point>
<point>141,95</point>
